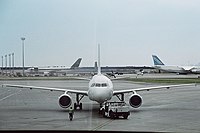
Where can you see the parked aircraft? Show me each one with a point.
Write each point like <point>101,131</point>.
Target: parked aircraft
<point>158,64</point>
<point>100,90</point>
<point>47,71</point>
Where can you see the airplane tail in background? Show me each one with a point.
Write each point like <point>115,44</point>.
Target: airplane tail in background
<point>157,61</point>
<point>76,64</point>
<point>95,67</point>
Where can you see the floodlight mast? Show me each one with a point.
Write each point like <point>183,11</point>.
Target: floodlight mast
<point>23,38</point>
<point>13,62</point>
<point>6,64</point>
<point>9,63</point>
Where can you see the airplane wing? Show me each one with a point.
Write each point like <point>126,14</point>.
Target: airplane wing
<point>82,78</point>
<point>47,88</point>
<point>188,68</point>
<point>118,78</point>
<point>149,88</point>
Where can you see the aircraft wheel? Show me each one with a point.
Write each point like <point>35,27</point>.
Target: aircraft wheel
<point>111,114</point>
<point>81,106</point>
<point>125,116</point>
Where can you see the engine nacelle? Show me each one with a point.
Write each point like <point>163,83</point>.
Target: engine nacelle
<point>135,100</point>
<point>65,101</point>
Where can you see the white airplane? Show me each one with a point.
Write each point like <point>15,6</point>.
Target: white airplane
<point>100,90</point>
<point>47,71</point>
<point>158,64</point>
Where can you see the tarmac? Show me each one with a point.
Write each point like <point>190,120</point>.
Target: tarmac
<point>164,110</point>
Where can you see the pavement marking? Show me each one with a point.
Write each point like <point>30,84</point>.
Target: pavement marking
<point>10,95</point>
<point>102,125</point>
<point>5,92</point>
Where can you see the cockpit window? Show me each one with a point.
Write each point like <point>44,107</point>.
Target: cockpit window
<point>104,85</point>
<point>93,85</point>
<point>99,85</point>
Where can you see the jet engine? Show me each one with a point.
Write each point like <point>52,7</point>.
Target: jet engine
<point>65,101</point>
<point>135,100</point>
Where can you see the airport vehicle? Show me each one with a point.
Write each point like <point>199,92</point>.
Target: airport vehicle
<point>100,90</point>
<point>115,110</point>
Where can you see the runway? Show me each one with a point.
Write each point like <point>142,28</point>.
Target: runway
<point>165,110</point>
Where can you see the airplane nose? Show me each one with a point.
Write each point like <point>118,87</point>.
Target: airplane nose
<point>101,95</point>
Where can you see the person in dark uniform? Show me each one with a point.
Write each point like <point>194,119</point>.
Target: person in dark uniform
<point>71,113</point>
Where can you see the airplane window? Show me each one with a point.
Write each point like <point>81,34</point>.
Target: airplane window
<point>104,85</point>
<point>93,85</point>
<point>98,85</point>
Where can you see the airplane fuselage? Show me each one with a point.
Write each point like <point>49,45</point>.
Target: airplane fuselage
<point>100,88</point>
<point>172,69</point>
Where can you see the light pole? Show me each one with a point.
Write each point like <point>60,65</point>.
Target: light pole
<point>13,62</point>
<point>6,63</point>
<point>9,64</point>
<point>23,38</point>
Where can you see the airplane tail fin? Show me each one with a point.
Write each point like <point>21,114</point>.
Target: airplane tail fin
<point>157,61</point>
<point>99,65</point>
<point>76,64</point>
<point>95,65</point>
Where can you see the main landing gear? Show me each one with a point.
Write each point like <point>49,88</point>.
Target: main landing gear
<point>78,99</point>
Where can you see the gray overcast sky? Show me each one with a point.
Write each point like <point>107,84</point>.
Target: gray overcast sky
<point>58,32</point>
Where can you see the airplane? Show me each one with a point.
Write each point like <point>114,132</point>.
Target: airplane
<point>51,70</point>
<point>158,64</point>
<point>100,90</point>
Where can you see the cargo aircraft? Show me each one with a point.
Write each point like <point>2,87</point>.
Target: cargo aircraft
<point>100,90</point>
<point>158,64</point>
<point>47,71</point>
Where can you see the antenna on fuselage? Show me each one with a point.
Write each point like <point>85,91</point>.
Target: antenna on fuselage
<point>99,66</point>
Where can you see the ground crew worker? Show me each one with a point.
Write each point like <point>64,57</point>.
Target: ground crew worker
<point>71,113</point>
